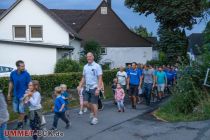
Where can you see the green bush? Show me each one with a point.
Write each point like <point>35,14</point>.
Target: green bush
<point>67,65</point>
<point>48,82</point>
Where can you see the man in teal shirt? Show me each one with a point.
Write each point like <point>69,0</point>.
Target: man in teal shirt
<point>161,80</point>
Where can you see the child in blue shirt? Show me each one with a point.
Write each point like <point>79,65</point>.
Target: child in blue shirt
<point>65,95</point>
<point>59,109</point>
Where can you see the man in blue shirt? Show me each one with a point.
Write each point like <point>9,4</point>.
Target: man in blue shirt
<point>133,83</point>
<point>19,80</point>
<point>161,80</point>
<point>170,76</point>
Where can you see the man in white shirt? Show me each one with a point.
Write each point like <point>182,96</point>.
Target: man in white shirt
<point>92,78</point>
<point>122,78</point>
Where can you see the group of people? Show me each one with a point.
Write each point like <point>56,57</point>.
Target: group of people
<point>134,81</point>
<point>140,81</point>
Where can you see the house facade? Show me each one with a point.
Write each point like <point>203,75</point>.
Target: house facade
<point>40,36</point>
<point>30,32</point>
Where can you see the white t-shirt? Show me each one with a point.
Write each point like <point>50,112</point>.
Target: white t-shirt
<point>122,76</point>
<point>91,73</point>
<point>35,101</point>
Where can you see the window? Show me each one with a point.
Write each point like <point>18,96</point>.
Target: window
<point>19,32</point>
<point>103,10</point>
<point>36,33</point>
<point>103,51</point>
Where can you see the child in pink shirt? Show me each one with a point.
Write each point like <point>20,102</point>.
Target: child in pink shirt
<point>119,97</point>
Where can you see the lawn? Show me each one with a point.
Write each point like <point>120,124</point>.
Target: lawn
<point>201,112</point>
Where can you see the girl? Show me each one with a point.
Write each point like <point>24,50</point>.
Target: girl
<point>33,99</point>
<point>82,109</point>
<point>119,97</point>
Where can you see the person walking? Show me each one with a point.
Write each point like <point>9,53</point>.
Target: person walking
<point>148,82</point>
<point>161,80</point>
<point>92,78</point>
<point>133,83</point>
<point>119,97</point>
<point>122,78</point>
<point>4,116</point>
<point>19,80</point>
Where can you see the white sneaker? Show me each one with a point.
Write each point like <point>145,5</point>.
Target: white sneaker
<point>94,121</point>
<point>80,112</point>
<point>91,116</point>
<point>85,110</point>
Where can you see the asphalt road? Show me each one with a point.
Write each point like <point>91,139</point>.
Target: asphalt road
<point>130,125</point>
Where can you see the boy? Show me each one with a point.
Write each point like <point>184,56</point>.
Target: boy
<point>65,95</point>
<point>4,117</point>
<point>59,109</point>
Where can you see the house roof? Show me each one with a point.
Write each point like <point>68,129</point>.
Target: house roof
<point>71,32</point>
<point>195,42</point>
<point>24,43</point>
<point>74,18</point>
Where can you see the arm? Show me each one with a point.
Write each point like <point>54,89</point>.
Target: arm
<point>62,107</point>
<point>81,84</point>
<point>141,80</point>
<point>36,100</point>
<point>10,90</point>
<point>128,81</point>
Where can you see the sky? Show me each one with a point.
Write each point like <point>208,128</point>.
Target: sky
<point>130,18</point>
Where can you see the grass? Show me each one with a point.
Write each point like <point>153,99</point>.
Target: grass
<point>47,103</point>
<point>202,112</point>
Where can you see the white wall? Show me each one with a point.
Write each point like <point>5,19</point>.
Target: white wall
<point>122,55</point>
<point>77,48</point>
<point>27,13</point>
<point>38,60</point>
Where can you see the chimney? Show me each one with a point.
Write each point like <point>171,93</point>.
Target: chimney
<point>109,3</point>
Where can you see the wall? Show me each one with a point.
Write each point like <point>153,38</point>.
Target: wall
<point>38,60</point>
<point>119,56</point>
<point>27,13</point>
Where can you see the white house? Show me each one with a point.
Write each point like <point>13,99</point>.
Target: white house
<point>32,33</point>
<point>40,36</point>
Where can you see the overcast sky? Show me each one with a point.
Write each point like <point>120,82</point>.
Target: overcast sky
<point>130,18</point>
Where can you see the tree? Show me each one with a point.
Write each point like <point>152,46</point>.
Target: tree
<point>173,43</point>
<point>174,16</point>
<point>95,48</point>
<point>171,13</point>
<point>142,31</point>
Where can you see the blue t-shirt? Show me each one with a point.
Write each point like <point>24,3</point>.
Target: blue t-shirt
<point>135,76</point>
<point>59,101</point>
<point>170,75</point>
<point>161,77</point>
<point>20,82</point>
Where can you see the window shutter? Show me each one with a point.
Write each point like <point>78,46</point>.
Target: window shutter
<point>20,32</point>
<point>36,32</point>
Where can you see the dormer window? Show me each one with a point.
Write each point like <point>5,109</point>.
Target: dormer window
<point>19,32</point>
<point>104,10</point>
<point>36,33</point>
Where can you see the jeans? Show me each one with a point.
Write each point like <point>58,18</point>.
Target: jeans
<point>120,104</point>
<point>57,116</point>
<point>3,127</point>
<point>147,88</point>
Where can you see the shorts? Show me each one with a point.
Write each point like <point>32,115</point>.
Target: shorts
<point>18,106</point>
<point>89,96</point>
<point>161,87</point>
<point>133,90</point>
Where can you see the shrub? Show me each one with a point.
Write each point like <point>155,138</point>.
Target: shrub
<point>48,82</point>
<point>67,65</point>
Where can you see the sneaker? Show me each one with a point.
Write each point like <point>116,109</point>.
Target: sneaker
<point>100,109</point>
<point>19,126</point>
<point>85,110</point>
<point>94,121</point>
<point>119,110</point>
<point>123,110</point>
<point>134,107</point>
<point>80,112</point>
<point>91,116</point>
<point>68,125</point>
<point>55,129</point>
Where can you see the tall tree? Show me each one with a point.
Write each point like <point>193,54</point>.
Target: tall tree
<point>142,31</point>
<point>173,16</point>
<point>94,47</point>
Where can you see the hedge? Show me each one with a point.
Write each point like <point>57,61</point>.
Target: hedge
<point>48,82</point>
